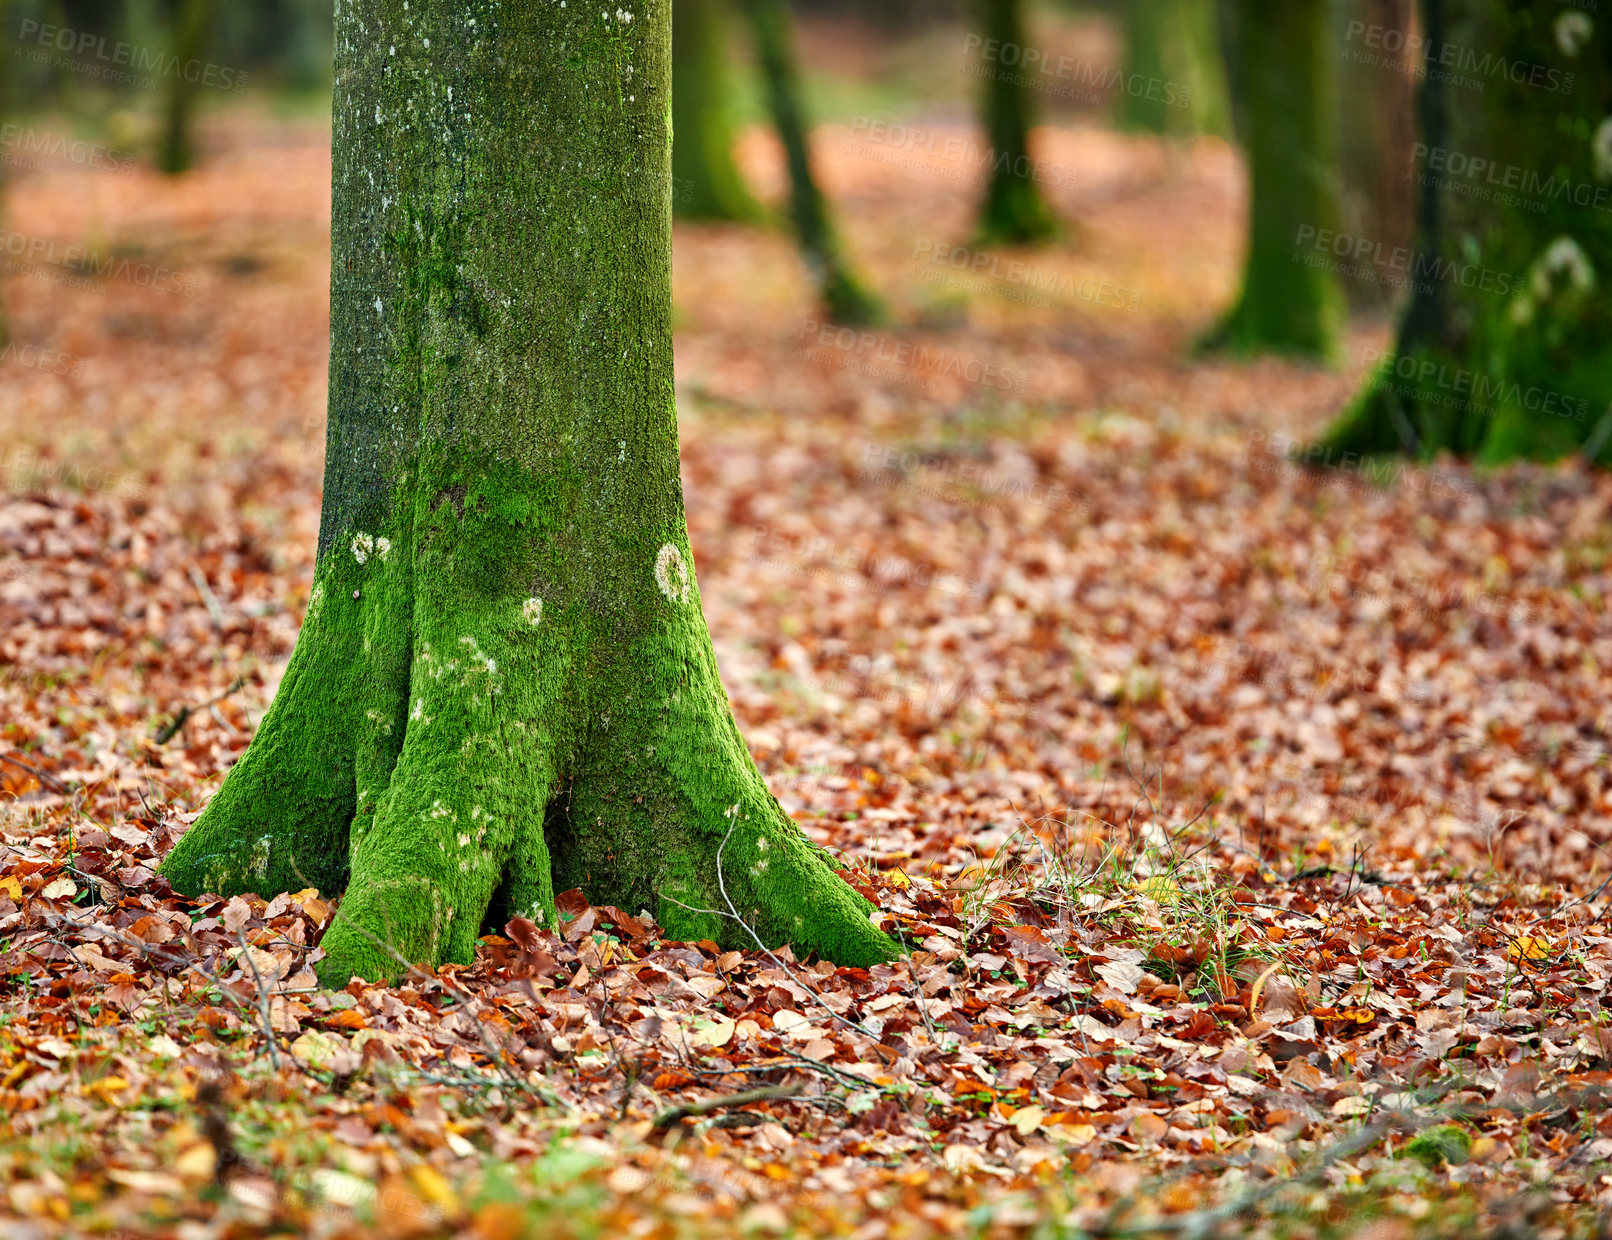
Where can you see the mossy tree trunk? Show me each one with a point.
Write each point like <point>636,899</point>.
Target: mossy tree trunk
<point>193,27</point>
<point>846,299</point>
<point>1014,212</point>
<point>1291,301</point>
<point>1502,350</point>
<point>504,685</point>
<point>706,183</point>
<point>1175,81</point>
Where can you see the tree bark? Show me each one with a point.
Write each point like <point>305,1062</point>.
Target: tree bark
<point>504,685</point>
<point>1502,350</point>
<point>193,28</point>
<point>1287,63</point>
<point>1014,212</point>
<point>706,183</point>
<point>845,298</point>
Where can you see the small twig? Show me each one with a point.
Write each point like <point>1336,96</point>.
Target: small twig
<point>44,777</point>
<point>721,1103</point>
<point>171,729</point>
<point>265,1008</point>
<point>209,599</point>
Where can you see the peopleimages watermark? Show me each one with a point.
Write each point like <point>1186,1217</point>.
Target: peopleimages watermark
<point>1358,580</point>
<point>79,266</point>
<point>25,468</point>
<point>1433,383</point>
<point>980,271</point>
<point>1394,265</point>
<point>962,482</point>
<point>129,64</point>
<point>1082,81</point>
<point>1274,451</point>
<point>823,557</point>
<point>37,357</point>
<point>881,357</point>
<point>916,149</point>
<point>1447,62</point>
<point>1507,185</point>
<point>22,147</point>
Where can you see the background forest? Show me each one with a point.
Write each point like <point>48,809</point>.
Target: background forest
<point>1145,466</point>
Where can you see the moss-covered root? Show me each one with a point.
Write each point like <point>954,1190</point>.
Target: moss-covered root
<point>669,813</point>
<point>462,817</point>
<point>1015,213</point>
<point>280,821</point>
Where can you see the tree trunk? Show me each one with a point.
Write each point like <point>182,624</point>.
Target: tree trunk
<point>1502,349</point>
<point>845,298</point>
<point>504,685</point>
<point>1287,304</point>
<point>1376,182</point>
<point>1014,213</point>
<point>193,27</point>
<point>706,183</point>
<point>1175,79</point>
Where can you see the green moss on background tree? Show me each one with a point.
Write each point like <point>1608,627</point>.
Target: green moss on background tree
<point>193,27</point>
<point>1502,351</point>
<point>1014,211</point>
<point>707,184</point>
<point>1175,79</point>
<point>1291,301</point>
<point>846,299</point>
<point>504,685</point>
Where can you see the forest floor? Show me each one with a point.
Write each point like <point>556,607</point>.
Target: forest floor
<point>1248,823</point>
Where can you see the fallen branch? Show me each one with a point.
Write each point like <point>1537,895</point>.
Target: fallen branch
<point>171,729</point>
<point>722,1103</point>
<point>44,777</point>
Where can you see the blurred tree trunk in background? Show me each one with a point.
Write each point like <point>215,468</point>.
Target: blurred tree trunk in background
<point>1377,196</point>
<point>706,183</point>
<point>193,27</point>
<point>1502,351</point>
<point>1286,62</point>
<point>845,298</point>
<point>1014,213</point>
<point>1175,79</point>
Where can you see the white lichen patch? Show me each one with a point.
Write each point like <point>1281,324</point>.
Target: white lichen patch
<point>418,715</point>
<point>380,719</point>
<point>671,574</point>
<point>382,547</point>
<point>478,655</point>
<point>316,597</point>
<point>532,609</point>
<point>761,844</point>
<point>363,547</point>
<point>464,840</point>
<point>439,810</point>
<point>260,857</point>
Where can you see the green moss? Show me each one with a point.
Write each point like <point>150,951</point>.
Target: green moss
<point>1439,1146</point>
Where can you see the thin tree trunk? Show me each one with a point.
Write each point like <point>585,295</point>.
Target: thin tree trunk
<point>1014,212</point>
<point>1291,301</point>
<point>845,298</point>
<point>706,183</point>
<point>1502,349</point>
<point>504,685</point>
<point>193,28</point>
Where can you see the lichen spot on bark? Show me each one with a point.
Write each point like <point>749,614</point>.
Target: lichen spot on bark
<point>260,857</point>
<point>363,547</point>
<point>532,609</point>
<point>671,574</point>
